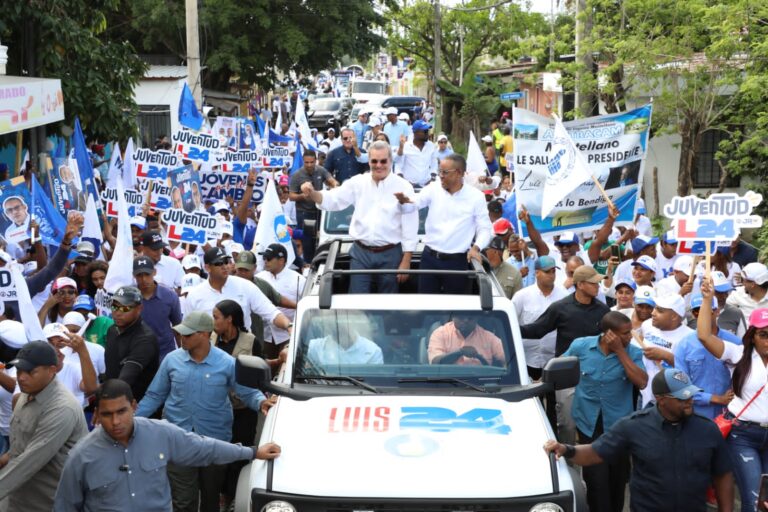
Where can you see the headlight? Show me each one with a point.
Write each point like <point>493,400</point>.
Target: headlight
<point>279,506</point>
<point>546,507</point>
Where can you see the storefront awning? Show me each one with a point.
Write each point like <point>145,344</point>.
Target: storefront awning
<point>26,102</point>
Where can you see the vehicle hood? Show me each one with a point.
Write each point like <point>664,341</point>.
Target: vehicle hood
<point>323,113</point>
<point>425,447</point>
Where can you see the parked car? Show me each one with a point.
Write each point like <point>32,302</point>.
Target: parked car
<point>329,113</point>
<point>409,104</point>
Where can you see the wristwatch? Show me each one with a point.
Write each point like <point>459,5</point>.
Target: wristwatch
<point>570,451</point>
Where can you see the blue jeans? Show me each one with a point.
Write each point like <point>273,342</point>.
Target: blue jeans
<point>748,446</point>
<point>361,258</point>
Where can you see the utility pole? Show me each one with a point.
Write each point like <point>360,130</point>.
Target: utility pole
<point>438,44</point>
<point>193,53</point>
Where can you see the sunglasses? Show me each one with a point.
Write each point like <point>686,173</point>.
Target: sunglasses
<point>444,173</point>
<point>66,292</point>
<point>346,138</point>
<point>374,161</point>
<point>220,263</point>
<point>122,309</point>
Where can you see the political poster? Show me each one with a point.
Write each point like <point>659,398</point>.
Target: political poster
<point>21,205</point>
<point>133,198</point>
<point>156,165</point>
<point>243,161</point>
<point>194,228</point>
<point>185,189</point>
<point>161,193</point>
<point>717,218</point>
<point>227,131</point>
<point>217,185</point>
<point>66,186</point>
<point>196,147</point>
<point>613,147</point>
<point>7,285</point>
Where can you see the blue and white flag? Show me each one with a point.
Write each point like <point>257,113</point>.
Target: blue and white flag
<point>298,156</point>
<point>129,168</point>
<point>272,227</point>
<point>189,116</point>
<point>115,167</point>
<point>92,228</point>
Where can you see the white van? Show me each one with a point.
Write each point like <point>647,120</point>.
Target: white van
<point>371,418</point>
<point>368,90</point>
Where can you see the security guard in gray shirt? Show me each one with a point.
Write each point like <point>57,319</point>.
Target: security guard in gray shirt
<point>121,465</point>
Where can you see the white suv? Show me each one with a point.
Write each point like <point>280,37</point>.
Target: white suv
<point>370,420</point>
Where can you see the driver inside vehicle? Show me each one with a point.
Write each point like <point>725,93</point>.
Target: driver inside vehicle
<point>462,341</point>
<point>347,343</point>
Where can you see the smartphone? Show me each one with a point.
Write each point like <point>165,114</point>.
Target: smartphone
<point>616,252</point>
<point>763,496</point>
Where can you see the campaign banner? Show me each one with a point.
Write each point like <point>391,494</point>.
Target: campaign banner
<point>227,131</point>
<point>195,228</point>
<point>243,161</point>
<point>7,285</point>
<point>148,164</point>
<point>196,147</point>
<point>20,206</point>
<point>161,193</point>
<point>221,185</point>
<point>103,302</point>
<point>614,148</point>
<point>133,198</point>
<point>717,218</point>
<point>185,189</point>
<point>699,247</point>
<point>66,186</point>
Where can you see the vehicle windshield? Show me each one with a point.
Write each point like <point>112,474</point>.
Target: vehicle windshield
<point>394,348</point>
<point>325,105</point>
<point>337,223</point>
<point>368,88</point>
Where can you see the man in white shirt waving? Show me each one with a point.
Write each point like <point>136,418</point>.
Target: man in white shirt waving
<point>457,216</point>
<point>385,232</point>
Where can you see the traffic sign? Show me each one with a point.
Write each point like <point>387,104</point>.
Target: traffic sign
<point>516,95</point>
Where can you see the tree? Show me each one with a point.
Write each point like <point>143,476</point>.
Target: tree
<point>252,40</point>
<point>67,39</point>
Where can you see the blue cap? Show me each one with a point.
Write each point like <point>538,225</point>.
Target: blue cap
<point>675,383</point>
<point>645,295</point>
<point>567,238</point>
<point>545,263</point>
<point>641,242</point>
<point>669,237</point>
<point>697,300</point>
<point>624,282</point>
<point>84,302</point>
<point>421,125</point>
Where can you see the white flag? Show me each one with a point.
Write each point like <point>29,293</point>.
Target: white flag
<point>566,171</point>
<point>115,167</point>
<point>477,167</point>
<point>272,227</point>
<point>120,273</point>
<point>24,161</point>
<point>303,125</point>
<point>27,310</point>
<point>129,170</point>
<point>92,228</point>
<point>279,120</point>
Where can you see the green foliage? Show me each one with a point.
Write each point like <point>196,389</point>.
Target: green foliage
<point>69,40</point>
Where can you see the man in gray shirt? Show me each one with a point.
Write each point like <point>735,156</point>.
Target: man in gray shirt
<point>121,465</point>
<point>47,422</point>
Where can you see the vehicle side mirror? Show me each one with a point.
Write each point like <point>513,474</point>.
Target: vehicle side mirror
<point>561,372</point>
<point>252,372</point>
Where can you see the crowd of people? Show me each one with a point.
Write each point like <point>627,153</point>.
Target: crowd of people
<point>665,345</point>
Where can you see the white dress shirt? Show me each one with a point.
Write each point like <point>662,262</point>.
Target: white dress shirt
<point>418,165</point>
<point>756,378</point>
<point>454,219</point>
<point>379,219</point>
<point>204,297</point>
<point>170,273</point>
<point>287,283</point>
<point>529,304</point>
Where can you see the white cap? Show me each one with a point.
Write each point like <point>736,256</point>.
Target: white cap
<point>646,262</point>
<point>614,236</point>
<point>683,264</point>
<point>139,222</point>
<point>233,248</point>
<point>190,281</point>
<point>56,329</point>
<point>221,205</point>
<point>375,121</point>
<point>404,116</point>
<point>487,138</point>
<point>645,295</point>
<point>73,318</point>
<point>442,136</point>
<point>5,256</point>
<point>12,333</point>
<point>225,228</point>
<point>756,272</point>
<point>191,261</point>
<point>672,301</point>
<point>390,111</point>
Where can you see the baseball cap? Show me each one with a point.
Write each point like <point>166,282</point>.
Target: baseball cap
<point>756,272</point>
<point>442,136</point>
<point>85,302</point>
<point>586,273</point>
<point>669,237</point>
<point>331,130</point>
<point>674,383</point>
<point>672,301</point>
<point>5,256</point>
<point>720,282</point>
<point>404,116</point>
<point>504,114</point>
<point>494,207</point>
<point>152,239</point>
<point>139,222</point>
<point>683,264</point>
<point>12,333</point>
<point>646,262</point>
<point>215,255</point>
<point>623,282</point>
<point>545,263</point>
<point>502,226</point>
<point>645,295</point>
<point>57,330</point>
<point>64,282</point>
<point>421,126</point>
<point>567,238</point>
<point>284,180</point>
<point>190,281</point>
<point>226,228</point>
<point>759,318</point>
<point>34,354</point>
<point>143,265</point>
<point>697,300</point>
<point>496,243</point>
<point>73,318</point>
<point>390,111</point>
<point>220,205</point>
<point>640,242</point>
<point>234,248</point>
<point>246,260</point>
<point>275,251</point>
<point>375,121</point>
<point>196,321</point>
<point>190,261</point>
<point>487,138</point>
<point>86,251</point>
<point>127,296</point>
<point>640,205</point>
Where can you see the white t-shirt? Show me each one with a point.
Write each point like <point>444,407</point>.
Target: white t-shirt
<point>287,283</point>
<point>204,298</point>
<point>6,410</point>
<point>170,273</point>
<point>653,336</point>
<point>664,265</point>
<point>529,304</point>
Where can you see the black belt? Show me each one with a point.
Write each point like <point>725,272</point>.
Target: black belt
<point>729,415</point>
<point>376,248</point>
<point>445,255</point>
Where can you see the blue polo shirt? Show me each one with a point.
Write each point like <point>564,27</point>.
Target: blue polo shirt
<point>344,164</point>
<point>161,312</point>
<point>603,387</point>
<point>704,370</point>
<point>672,463</point>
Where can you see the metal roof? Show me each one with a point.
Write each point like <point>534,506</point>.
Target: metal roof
<point>166,72</point>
